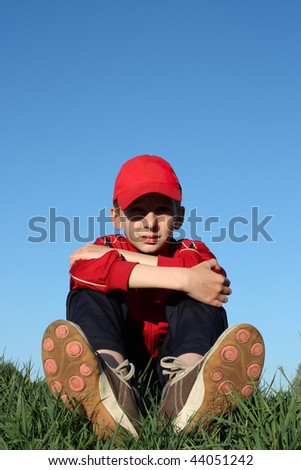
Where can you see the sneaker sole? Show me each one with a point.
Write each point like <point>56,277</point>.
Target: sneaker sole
<point>74,374</point>
<point>232,367</point>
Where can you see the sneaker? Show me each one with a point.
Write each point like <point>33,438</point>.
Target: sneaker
<point>231,367</point>
<point>76,374</point>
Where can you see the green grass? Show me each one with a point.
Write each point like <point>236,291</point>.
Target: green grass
<point>30,418</point>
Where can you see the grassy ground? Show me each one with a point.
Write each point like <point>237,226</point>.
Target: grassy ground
<point>30,418</point>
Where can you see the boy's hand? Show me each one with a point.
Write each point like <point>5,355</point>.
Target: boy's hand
<point>205,285</point>
<point>88,251</point>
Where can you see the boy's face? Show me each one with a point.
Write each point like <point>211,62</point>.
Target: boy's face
<point>149,221</point>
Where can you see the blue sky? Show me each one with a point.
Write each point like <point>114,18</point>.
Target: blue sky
<point>212,86</point>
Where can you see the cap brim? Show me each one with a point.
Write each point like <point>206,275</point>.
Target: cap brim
<point>125,199</point>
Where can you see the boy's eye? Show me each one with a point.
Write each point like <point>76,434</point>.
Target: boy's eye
<point>135,218</point>
<point>163,210</point>
<point>135,213</point>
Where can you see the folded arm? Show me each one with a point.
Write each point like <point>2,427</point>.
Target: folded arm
<point>90,251</point>
<point>199,282</point>
<point>103,268</point>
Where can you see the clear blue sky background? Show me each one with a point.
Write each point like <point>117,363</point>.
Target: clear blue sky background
<point>212,86</point>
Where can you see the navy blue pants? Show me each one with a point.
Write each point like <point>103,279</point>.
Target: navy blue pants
<point>193,327</point>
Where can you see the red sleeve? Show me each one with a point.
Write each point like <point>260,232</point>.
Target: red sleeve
<point>110,272</point>
<point>189,254</point>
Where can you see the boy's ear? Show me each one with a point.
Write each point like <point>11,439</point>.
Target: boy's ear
<point>115,217</point>
<point>179,218</point>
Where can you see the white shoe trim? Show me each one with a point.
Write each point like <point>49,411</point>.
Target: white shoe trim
<point>107,395</point>
<point>111,404</point>
<point>196,396</point>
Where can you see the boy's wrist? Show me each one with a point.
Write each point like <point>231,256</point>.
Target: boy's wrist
<point>143,276</point>
<point>183,279</point>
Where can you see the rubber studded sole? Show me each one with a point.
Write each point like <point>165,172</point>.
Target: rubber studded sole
<point>232,367</point>
<point>73,373</point>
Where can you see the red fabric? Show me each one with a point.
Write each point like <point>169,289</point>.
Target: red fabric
<point>146,306</point>
<point>145,174</point>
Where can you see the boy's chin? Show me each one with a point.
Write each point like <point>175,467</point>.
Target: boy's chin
<point>148,248</point>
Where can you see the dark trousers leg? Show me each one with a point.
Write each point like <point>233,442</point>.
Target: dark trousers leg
<point>193,327</point>
<point>105,320</point>
<point>102,317</point>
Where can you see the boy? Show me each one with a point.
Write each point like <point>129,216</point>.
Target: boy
<point>146,298</point>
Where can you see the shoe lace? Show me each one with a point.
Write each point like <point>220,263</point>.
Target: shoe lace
<point>126,370</point>
<point>173,366</point>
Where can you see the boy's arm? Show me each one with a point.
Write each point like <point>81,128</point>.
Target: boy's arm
<point>90,251</point>
<point>199,282</point>
<point>187,256</point>
<point>111,271</point>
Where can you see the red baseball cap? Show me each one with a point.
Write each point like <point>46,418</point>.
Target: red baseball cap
<point>145,174</point>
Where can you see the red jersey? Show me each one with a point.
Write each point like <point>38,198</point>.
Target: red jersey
<point>146,306</point>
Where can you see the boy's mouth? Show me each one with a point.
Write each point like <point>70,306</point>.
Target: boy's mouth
<point>150,239</point>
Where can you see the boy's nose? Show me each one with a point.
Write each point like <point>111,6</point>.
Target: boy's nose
<point>150,220</point>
